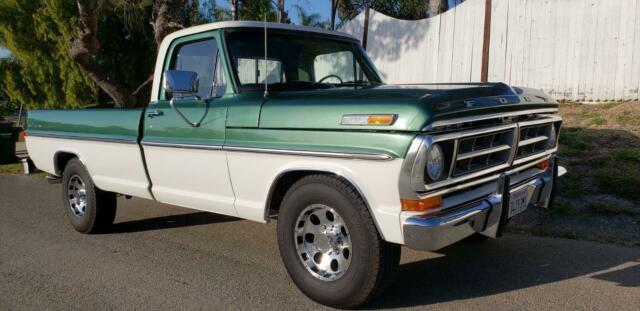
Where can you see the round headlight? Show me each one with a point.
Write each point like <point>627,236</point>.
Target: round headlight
<point>435,162</point>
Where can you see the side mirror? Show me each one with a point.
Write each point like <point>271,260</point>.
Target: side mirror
<point>180,82</point>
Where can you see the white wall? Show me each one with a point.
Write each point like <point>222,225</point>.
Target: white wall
<point>572,49</point>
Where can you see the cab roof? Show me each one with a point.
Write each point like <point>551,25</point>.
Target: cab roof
<point>252,24</point>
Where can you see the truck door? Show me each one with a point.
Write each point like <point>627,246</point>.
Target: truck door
<point>184,132</point>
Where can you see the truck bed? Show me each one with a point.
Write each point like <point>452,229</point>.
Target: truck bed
<point>105,140</point>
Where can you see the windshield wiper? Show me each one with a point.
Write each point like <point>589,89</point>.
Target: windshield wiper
<point>358,83</point>
<point>301,84</point>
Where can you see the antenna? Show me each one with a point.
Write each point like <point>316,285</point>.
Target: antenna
<point>266,75</point>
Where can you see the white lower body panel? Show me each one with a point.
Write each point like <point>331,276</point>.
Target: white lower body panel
<point>115,167</point>
<point>193,178</point>
<point>252,175</point>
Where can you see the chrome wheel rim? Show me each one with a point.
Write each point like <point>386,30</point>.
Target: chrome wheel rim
<point>77,196</point>
<point>323,242</point>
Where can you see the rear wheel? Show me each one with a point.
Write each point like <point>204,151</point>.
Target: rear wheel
<point>330,245</point>
<point>89,209</point>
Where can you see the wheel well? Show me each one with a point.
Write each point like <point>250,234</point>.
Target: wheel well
<point>60,161</point>
<point>285,181</point>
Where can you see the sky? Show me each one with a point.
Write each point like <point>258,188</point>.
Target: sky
<point>3,52</point>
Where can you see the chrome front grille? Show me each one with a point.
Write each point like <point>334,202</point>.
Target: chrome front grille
<point>477,153</point>
<point>472,154</point>
<point>533,139</point>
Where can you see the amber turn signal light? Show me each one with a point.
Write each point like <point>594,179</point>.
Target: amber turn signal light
<point>386,119</point>
<point>422,205</point>
<point>368,119</point>
<point>543,165</point>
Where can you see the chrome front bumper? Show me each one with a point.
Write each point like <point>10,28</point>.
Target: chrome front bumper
<point>486,215</point>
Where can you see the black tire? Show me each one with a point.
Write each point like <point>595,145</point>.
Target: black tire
<point>374,261</point>
<point>99,207</point>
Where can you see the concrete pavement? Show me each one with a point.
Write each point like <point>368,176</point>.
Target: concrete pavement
<point>164,257</point>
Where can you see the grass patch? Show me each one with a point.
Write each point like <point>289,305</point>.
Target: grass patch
<point>570,185</point>
<point>598,121</point>
<point>609,105</point>
<point>11,169</point>
<point>610,209</point>
<point>620,180</point>
<point>573,137</point>
<point>586,114</point>
<point>560,209</point>
<point>628,118</point>
<point>626,154</point>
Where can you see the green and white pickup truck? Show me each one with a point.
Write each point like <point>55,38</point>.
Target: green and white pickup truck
<point>304,131</point>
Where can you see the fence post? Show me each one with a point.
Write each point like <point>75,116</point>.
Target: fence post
<point>486,42</point>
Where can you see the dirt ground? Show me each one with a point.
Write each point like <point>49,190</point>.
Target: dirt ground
<point>599,198</point>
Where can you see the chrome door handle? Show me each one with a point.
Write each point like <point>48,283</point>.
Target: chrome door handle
<point>154,113</point>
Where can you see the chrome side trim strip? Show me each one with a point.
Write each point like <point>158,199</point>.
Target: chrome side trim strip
<point>182,146</point>
<point>100,139</point>
<point>442,123</point>
<point>324,154</point>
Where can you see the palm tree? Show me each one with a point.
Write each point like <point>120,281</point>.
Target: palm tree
<point>313,20</point>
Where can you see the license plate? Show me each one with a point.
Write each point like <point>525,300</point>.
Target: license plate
<point>518,201</point>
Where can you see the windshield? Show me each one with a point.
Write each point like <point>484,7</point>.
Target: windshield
<point>297,61</point>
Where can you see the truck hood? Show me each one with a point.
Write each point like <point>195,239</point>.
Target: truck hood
<point>416,106</point>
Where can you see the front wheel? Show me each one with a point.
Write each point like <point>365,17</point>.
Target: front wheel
<point>89,209</point>
<point>330,245</point>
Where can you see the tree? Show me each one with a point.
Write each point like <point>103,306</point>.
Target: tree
<point>234,9</point>
<point>438,6</point>
<point>39,72</point>
<point>282,15</point>
<point>85,46</point>
<point>402,9</point>
<point>334,10</point>
<point>72,54</point>
<point>313,20</point>
<point>257,10</point>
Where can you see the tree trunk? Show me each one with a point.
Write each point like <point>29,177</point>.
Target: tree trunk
<point>437,6</point>
<point>281,16</point>
<point>334,10</point>
<point>84,48</point>
<point>166,19</point>
<point>234,9</point>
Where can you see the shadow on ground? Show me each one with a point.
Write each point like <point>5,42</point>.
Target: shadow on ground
<point>478,269</point>
<point>168,222</point>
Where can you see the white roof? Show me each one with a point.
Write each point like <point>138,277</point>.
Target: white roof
<point>251,24</point>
